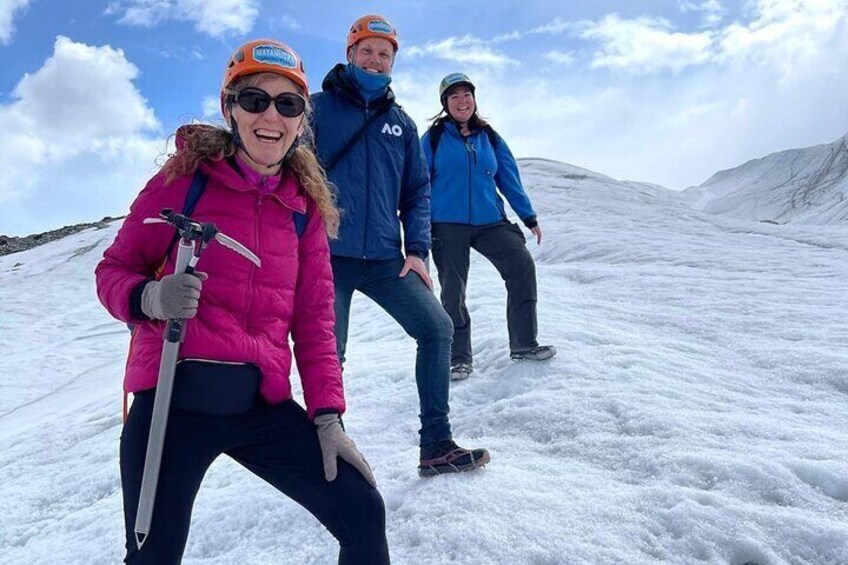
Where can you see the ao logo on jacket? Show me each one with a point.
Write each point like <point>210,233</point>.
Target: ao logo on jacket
<point>392,129</point>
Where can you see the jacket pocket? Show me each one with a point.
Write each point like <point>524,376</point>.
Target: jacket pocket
<point>212,387</point>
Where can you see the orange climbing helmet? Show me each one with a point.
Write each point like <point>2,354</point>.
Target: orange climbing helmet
<point>265,56</point>
<point>372,25</point>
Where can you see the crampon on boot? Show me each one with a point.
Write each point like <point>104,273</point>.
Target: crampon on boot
<point>447,457</point>
<point>538,353</point>
<point>461,371</point>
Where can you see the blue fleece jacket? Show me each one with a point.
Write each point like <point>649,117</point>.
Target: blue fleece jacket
<point>467,175</point>
<point>382,181</point>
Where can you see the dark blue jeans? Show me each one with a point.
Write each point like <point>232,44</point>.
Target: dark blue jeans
<point>418,311</point>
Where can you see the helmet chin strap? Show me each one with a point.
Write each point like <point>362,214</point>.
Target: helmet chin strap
<point>292,149</point>
<point>240,144</point>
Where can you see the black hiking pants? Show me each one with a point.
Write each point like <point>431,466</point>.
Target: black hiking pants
<point>279,444</point>
<point>503,244</point>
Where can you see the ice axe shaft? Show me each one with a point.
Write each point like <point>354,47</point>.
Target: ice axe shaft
<point>194,237</point>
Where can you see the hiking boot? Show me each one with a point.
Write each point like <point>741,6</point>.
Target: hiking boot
<point>447,457</point>
<point>538,353</point>
<point>461,371</point>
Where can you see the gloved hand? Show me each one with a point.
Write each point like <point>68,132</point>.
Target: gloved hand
<point>173,296</point>
<point>335,443</point>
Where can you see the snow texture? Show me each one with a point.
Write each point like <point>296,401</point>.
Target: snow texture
<point>805,186</point>
<point>696,412</point>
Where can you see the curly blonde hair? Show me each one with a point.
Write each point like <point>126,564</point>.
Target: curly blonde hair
<point>213,143</point>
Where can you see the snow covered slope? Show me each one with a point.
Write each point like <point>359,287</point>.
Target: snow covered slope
<point>695,414</point>
<point>805,186</point>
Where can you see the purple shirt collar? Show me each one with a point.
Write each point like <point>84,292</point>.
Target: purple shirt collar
<point>265,183</point>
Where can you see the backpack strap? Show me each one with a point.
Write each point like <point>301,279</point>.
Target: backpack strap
<point>354,139</point>
<point>494,140</point>
<point>195,191</point>
<point>436,131</point>
<point>301,220</point>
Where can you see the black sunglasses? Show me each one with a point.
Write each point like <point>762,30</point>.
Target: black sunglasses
<point>256,101</point>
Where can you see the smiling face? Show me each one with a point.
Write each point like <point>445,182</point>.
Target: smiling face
<point>373,55</point>
<point>268,135</point>
<point>461,104</point>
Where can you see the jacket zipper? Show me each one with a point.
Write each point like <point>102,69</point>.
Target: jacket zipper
<point>256,250</point>
<point>367,189</point>
<point>471,154</point>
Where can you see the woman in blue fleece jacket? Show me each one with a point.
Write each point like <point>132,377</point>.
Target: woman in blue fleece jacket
<point>470,168</point>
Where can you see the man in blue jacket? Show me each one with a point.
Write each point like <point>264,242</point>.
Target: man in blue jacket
<point>369,148</point>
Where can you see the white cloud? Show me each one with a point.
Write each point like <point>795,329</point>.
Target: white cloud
<point>290,22</point>
<point>785,34</point>
<point>466,50</point>
<point>669,132</point>
<point>511,36</point>
<point>178,52</point>
<point>675,129</point>
<point>7,15</point>
<point>557,26</point>
<point>474,50</point>
<point>212,108</point>
<point>74,144</point>
<point>713,10</point>
<point>645,45</point>
<point>565,58</point>
<point>82,92</point>
<point>212,17</point>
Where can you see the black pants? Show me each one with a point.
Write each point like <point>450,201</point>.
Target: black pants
<point>277,443</point>
<point>503,244</point>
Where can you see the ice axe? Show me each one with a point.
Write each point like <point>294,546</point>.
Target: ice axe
<point>194,236</point>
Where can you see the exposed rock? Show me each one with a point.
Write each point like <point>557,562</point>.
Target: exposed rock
<point>10,244</point>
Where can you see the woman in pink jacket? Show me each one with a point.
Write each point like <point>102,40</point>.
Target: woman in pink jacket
<point>232,392</point>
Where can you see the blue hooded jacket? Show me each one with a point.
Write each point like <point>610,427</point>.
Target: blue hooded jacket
<point>467,174</point>
<point>382,182</point>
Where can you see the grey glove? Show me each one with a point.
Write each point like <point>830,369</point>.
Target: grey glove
<point>173,296</point>
<point>335,443</point>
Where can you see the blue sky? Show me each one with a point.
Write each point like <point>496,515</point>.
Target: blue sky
<point>664,91</point>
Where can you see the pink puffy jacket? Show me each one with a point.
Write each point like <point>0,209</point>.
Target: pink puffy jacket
<point>246,313</point>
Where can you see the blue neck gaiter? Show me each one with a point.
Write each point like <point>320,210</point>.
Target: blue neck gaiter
<point>370,85</point>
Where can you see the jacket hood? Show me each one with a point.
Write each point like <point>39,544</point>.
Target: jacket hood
<point>242,178</point>
<point>337,82</point>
